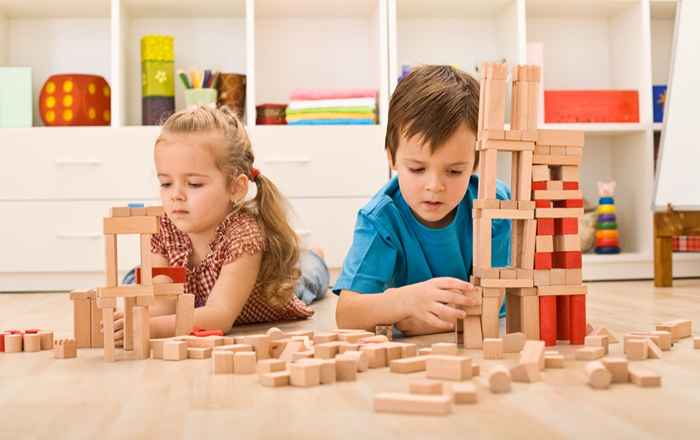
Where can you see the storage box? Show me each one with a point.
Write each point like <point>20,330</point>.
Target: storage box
<point>15,97</point>
<point>591,106</point>
<point>659,94</point>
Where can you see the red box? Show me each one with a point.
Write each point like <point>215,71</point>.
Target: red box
<point>543,260</point>
<point>177,274</point>
<point>570,185</point>
<point>566,226</point>
<point>539,186</point>
<point>591,106</point>
<point>566,260</point>
<point>543,203</point>
<point>545,226</point>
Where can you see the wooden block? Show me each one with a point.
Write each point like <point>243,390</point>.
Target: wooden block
<point>407,349</point>
<point>326,350</point>
<point>412,403</point>
<point>476,370</point>
<point>157,347</point>
<point>376,339</point>
<point>505,145</point>
<point>305,373</point>
<point>361,357</point>
<point>275,379</point>
<point>544,243</point>
<point>567,243</point>
<point>408,365</point>
<point>574,151</point>
<point>223,362</point>
<point>130,225</point>
<point>558,212</point>
<point>599,377</point>
<point>142,332</point>
<point>679,328</point>
<point>499,379</point>
<point>233,348</point>
<point>270,366</point>
<point>212,342</point>
<point>526,373</point>
<point>596,341</point>
<point>660,337</point>
<point>244,362</point>
<point>139,211</point>
<point>541,173</point>
<point>13,343</point>
<point>513,342</point>
<point>354,337</point>
<point>567,172</point>
<point>605,332</point>
<point>310,333</point>
<point>393,351</point>
<point>291,348</point>
<point>154,211</point>
<point>306,354</point>
<point>493,348</point>
<point>573,277</point>
<point>618,367</point>
<point>589,353</point>
<point>425,386</point>
<point>541,277</point>
<point>527,257</point>
<point>489,318</point>
<point>526,204</point>
<point>108,333</point>
<point>561,290</point>
<point>492,134</point>
<point>345,368</point>
<point>63,349</point>
<point>464,392</point>
<point>447,348</point>
<point>653,350</point>
<point>81,322</point>
<point>636,349</point>
<point>199,353</point>
<point>46,340</point>
<point>495,108</point>
<point>31,342</point>
<point>276,334</point>
<point>346,346</point>
<point>542,149</point>
<point>328,374</point>
<point>320,338</point>
<point>425,351</point>
<point>105,303</point>
<point>110,260</point>
<point>696,342</point>
<point>377,355</point>
<point>560,137</point>
<point>449,367</point>
<point>533,353</point>
<point>644,377</point>
<point>175,351</point>
<point>184,314</point>
<point>472,332</point>
<point>119,211</point>
<point>554,361</point>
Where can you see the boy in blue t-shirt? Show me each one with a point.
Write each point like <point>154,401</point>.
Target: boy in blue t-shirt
<point>411,254</point>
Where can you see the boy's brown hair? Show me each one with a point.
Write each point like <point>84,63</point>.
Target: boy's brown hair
<point>432,101</point>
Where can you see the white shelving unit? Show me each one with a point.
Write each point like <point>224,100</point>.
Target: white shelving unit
<point>327,172</point>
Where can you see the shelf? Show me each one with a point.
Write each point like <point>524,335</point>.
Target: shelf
<point>33,9</point>
<point>576,8</point>
<point>314,8</point>
<point>451,9</point>
<point>170,9</point>
<point>596,129</point>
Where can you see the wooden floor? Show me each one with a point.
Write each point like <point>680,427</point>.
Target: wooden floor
<point>87,398</point>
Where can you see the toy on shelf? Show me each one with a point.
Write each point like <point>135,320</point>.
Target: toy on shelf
<point>15,97</point>
<point>271,114</point>
<point>591,106</point>
<point>158,78</point>
<point>200,88</point>
<point>607,236</point>
<point>232,92</point>
<point>332,107</point>
<point>75,99</point>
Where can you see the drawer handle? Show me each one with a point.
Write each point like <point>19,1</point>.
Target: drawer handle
<point>281,160</point>
<point>88,236</point>
<point>303,232</point>
<point>78,162</point>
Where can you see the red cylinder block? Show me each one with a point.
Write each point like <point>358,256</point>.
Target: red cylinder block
<point>548,320</point>
<point>577,329</point>
<point>545,226</point>
<point>566,260</point>
<point>563,317</point>
<point>543,260</point>
<point>539,186</point>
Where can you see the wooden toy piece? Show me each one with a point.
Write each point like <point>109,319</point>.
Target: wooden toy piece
<point>212,342</point>
<point>653,350</point>
<point>289,350</point>
<point>223,362</point>
<point>305,373</point>
<point>310,333</point>
<point>618,367</point>
<point>270,366</point>
<point>110,259</point>
<point>413,403</point>
<point>81,317</point>
<point>408,365</point>
<point>13,343</point>
<point>513,342</point>
<point>260,343</point>
<point>184,314</point>
<point>476,370</point>
<point>306,354</point>
<point>447,348</point>
<point>393,351</point>
<point>643,377</point>
<point>46,339</point>
<point>489,317</point>
<point>661,338</point>
<point>328,374</point>
<point>408,349</point>
<point>636,349</point>
<point>376,339</point>
<point>464,392</point>
<point>499,379</point>
<point>345,368</point>
<point>244,362</point>
<point>385,330</point>
<point>597,341</point>
<point>142,332</point>
<point>425,386</point>
<point>360,357</point>
<point>679,328</point>
<point>274,333</point>
<point>275,379</point>
<point>493,348</point>
<point>599,377</point>
<point>96,337</point>
<point>157,347</point>
<point>449,367</point>
<point>175,351</point>
<point>376,353</point>
<point>229,340</point>
<point>65,349</point>
<point>31,342</point>
<point>548,318</point>
<point>354,337</point>
<point>326,350</point>
<point>696,342</point>
<point>589,353</point>
<point>472,332</point>
<point>602,331</point>
<point>554,361</point>
<point>528,373</point>
<point>533,353</point>
<point>346,346</point>
<point>321,338</point>
<point>199,353</point>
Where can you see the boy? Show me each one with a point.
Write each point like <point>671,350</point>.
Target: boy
<point>412,249</point>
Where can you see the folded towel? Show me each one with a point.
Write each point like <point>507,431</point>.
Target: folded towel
<point>321,115</point>
<point>332,122</point>
<point>357,110</point>
<point>304,94</point>
<point>323,103</point>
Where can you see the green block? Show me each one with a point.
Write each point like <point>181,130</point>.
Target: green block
<point>606,225</point>
<point>15,97</point>
<point>158,78</point>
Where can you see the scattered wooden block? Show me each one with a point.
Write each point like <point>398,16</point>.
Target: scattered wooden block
<point>63,348</point>
<point>597,341</point>
<point>493,348</point>
<point>234,348</point>
<point>275,379</point>
<point>394,350</point>
<point>305,373</point>
<point>425,386</point>
<point>244,362</point>
<point>618,367</point>
<point>328,374</point>
<point>636,349</point>
<point>345,368</point>
<point>599,377</point>
<point>354,337</point>
<point>679,328</point>
<point>696,342</point>
<point>307,354</point>
<point>291,348</point>
<point>376,353</point>
<point>270,366</point>
<point>464,392</point>
<point>644,377</point>
<point>175,351</point>
<point>31,342</point>
<point>425,351</point>
<point>408,365</point>
<point>261,345</point>
<point>204,341</point>
<point>326,350</point>
<point>157,347</point>
<point>322,338</point>
<point>199,353</point>
<point>407,349</point>
<point>589,353</point>
<point>47,340</point>
<point>449,367</point>
<point>412,403</point>
<point>274,333</point>
<point>661,338</point>
<point>346,346</point>
<point>499,379</point>
<point>528,373</point>
<point>223,362</point>
<point>533,352</point>
<point>446,348</point>
<point>513,342</point>
<point>375,339</point>
<point>308,333</point>
<point>554,361</point>
<point>476,370</point>
<point>13,343</point>
<point>361,358</point>
<point>653,350</point>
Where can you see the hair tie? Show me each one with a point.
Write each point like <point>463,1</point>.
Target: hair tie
<point>254,173</point>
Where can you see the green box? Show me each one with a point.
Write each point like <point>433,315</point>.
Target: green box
<point>15,97</point>
<point>157,78</point>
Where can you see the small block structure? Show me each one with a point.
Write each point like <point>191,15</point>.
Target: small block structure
<point>618,367</point>
<point>305,373</point>
<point>361,358</point>
<point>644,378</point>
<point>589,353</point>
<point>223,362</point>
<point>276,379</point>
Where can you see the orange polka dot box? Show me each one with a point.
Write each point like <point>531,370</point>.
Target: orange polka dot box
<point>75,99</point>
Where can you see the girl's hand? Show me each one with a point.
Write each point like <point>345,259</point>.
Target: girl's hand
<point>118,329</point>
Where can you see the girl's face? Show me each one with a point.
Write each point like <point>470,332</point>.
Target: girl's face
<point>194,192</point>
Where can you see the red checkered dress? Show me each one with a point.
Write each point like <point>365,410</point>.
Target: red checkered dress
<point>239,233</point>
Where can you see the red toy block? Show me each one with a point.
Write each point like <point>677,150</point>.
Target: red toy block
<point>539,186</point>
<point>545,226</point>
<point>548,319</point>
<point>177,274</point>
<point>14,331</point>
<point>577,327</point>
<point>543,203</point>
<point>607,242</point>
<point>75,99</point>
<point>565,260</point>
<point>570,185</point>
<point>591,106</point>
<point>566,226</point>
<point>572,203</point>
<point>2,342</point>
<point>31,331</point>
<point>563,317</point>
<point>543,260</point>
<point>202,332</point>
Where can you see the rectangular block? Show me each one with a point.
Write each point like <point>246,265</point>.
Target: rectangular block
<point>223,362</point>
<point>408,365</point>
<point>345,368</point>
<point>636,349</point>
<point>464,392</point>
<point>199,353</point>
<point>425,386</point>
<point>449,367</point>
<point>589,353</point>
<point>618,367</point>
<point>412,403</point>
<point>244,362</point>
<point>131,225</point>
<point>175,351</point>
<point>275,379</point>
<point>643,377</point>
<point>305,373</point>
<point>493,348</point>
<point>328,374</point>
<point>533,353</point>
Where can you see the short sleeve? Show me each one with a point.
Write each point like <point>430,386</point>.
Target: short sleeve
<point>246,237</point>
<point>370,263</point>
<point>501,232</point>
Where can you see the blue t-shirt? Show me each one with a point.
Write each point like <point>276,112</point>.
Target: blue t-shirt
<point>391,248</point>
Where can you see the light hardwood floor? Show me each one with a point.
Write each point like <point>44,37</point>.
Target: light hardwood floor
<point>87,398</point>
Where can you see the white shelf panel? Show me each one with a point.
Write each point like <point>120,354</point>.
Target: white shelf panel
<point>599,128</point>
<point>576,8</point>
<point>314,8</point>
<point>13,9</point>
<point>172,9</point>
<point>452,9</point>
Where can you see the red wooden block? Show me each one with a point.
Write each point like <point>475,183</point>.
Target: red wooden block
<point>177,274</point>
<point>566,226</point>
<point>541,185</point>
<point>566,260</point>
<point>563,317</point>
<point>543,203</point>
<point>31,331</point>
<point>572,203</point>
<point>577,331</point>
<point>591,106</point>
<point>2,342</point>
<point>570,185</point>
<point>545,226</point>
<point>543,260</point>
<point>548,320</point>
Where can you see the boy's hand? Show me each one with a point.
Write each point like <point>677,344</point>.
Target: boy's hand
<point>118,328</point>
<point>428,302</point>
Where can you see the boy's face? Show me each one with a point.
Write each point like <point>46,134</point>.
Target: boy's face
<point>433,185</point>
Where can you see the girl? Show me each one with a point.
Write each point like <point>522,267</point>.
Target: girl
<point>242,256</point>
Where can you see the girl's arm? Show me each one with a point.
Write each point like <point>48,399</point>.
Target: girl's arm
<point>226,300</point>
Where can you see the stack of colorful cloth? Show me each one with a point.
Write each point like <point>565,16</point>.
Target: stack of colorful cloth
<point>332,107</point>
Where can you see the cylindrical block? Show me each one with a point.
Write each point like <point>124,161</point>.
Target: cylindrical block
<point>156,109</point>
<point>598,376</point>
<point>548,319</point>
<point>577,331</point>
<point>32,342</point>
<point>13,343</point>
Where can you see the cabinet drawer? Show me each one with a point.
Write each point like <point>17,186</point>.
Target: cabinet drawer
<point>52,163</point>
<point>328,223</point>
<point>59,237</point>
<point>322,161</point>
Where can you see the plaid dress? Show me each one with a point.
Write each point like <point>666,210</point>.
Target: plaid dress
<point>238,234</point>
